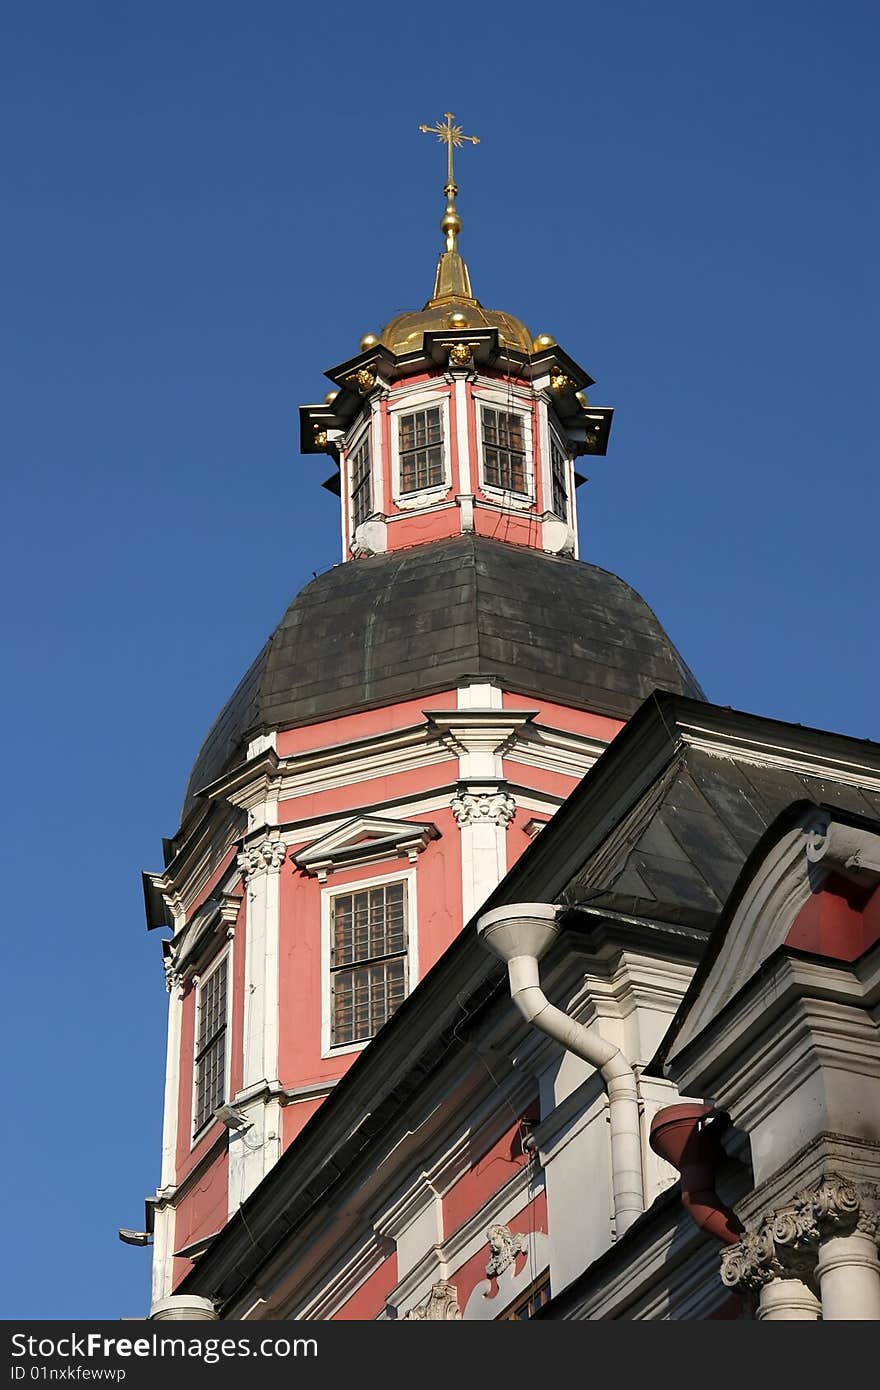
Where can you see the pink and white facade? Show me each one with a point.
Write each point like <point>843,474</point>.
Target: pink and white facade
<point>464,736</point>
<point>473,432</point>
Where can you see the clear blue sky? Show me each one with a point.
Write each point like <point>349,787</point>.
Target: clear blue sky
<point>209,203</point>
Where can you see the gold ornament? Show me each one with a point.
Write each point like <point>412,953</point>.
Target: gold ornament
<point>320,437</point>
<point>457,319</point>
<point>543,341</point>
<point>369,340</point>
<point>330,397</point>
<point>366,378</point>
<point>559,382</point>
<point>460,354</point>
<point>581,397</point>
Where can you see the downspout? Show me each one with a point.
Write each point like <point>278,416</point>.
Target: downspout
<point>689,1137</point>
<point>520,934</point>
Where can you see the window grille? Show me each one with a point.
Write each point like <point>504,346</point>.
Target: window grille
<point>527,1305</point>
<point>368,962</point>
<point>210,1045</point>
<point>361,490</point>
<point>421,450</point>
<point>557,480</point>
<point>504,450</point>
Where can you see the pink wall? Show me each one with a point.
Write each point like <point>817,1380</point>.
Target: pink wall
<point>303,989</point>
<point>491,1167</point>
<point>575,721</point>
<point>841,922</point>
<point>472,1273</point>
<point>370,1298</point>
<point>202,1211</point>
<point>401,715</point>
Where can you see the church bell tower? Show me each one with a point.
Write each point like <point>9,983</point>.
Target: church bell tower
<point>417,716</point>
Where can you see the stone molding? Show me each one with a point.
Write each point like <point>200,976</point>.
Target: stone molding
<point>786,1244</point>
<point>441,1305</point>
<point>505,1247</point>
<point>481,808</point>
<point>266,856</point>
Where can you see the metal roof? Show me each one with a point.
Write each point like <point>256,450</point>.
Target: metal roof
<point>396,626</point>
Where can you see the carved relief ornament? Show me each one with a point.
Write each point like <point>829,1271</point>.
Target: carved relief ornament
<point>267,855</point>
<point>505,1246</point>
<point>475,808</point>
<point>786,1244</point>
<point>441,1305</point>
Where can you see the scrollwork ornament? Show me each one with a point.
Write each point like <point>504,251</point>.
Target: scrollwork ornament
<point>255,859</point>
<point>441,1305</point>
<point>473,808</point>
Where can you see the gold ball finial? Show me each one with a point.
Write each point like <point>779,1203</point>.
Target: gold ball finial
<point>457,320</point>
<point>543,341</point>
<point>581,396</point>
<point>330,397</point>
<point>450,223</point>
<point>369,340</point>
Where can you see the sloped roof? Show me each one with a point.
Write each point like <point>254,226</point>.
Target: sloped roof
<point>396,626</point>
<point>678,855</point>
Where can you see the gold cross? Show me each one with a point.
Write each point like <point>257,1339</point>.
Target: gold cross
<point>453,137</point>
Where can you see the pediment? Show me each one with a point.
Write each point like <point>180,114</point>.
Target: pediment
<point>365,840</point>
<point>810,844</point>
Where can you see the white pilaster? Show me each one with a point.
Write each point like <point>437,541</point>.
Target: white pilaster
<point>465,475</point>
<point>163,1216</point>
<point>254,1150</point>
<point>483,816</point>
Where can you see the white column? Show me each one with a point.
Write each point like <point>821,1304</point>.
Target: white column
<point>252,1152</point>
<point>163,1215</point>
<point>465,479</point>
<point>787,1300</point>
<point>849,1278</point>
<point>483,818</point>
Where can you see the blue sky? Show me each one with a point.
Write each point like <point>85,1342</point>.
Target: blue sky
<point>208,204</point>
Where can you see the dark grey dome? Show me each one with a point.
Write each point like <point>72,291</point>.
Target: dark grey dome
<point>395,626</point>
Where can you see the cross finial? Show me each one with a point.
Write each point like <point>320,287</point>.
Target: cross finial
<point>453,137</point>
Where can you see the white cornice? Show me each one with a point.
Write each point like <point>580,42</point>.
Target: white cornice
<point>749,749</point>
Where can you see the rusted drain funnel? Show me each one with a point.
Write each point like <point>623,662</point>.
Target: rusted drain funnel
<point>689,1137</point>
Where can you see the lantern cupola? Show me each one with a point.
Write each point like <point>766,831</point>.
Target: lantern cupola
<point>454,419</point>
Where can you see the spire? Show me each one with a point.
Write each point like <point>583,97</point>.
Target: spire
<point>452,280</point>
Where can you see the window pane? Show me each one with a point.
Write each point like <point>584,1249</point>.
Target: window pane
<point>361,490</point>
<point>368,925</point>
<point>421,450</point>
<point>504,458</point>
<point>557,477</point>
<point>210,1045</point>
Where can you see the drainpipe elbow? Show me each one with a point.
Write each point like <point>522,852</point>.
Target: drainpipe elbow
<point>688,1137</point>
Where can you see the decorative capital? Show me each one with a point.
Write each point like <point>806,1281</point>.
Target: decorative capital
<point>267,855</point>
<point>441,1305</point>
<point>505,1246</point>
<point>474,808</point>
<point>751,1263</point>
<point>786,1244</point>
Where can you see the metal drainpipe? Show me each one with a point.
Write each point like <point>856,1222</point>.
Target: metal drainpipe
<point>520,934</point>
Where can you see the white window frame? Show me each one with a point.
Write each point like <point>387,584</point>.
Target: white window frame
<point>405,404</point>
<point>407,876</point>
<point>197,1135</point>
<point>363,434</point>
<point>554,441</point>
<point>502,401</point>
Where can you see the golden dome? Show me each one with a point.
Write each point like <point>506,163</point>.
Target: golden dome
<point>452,305</point>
